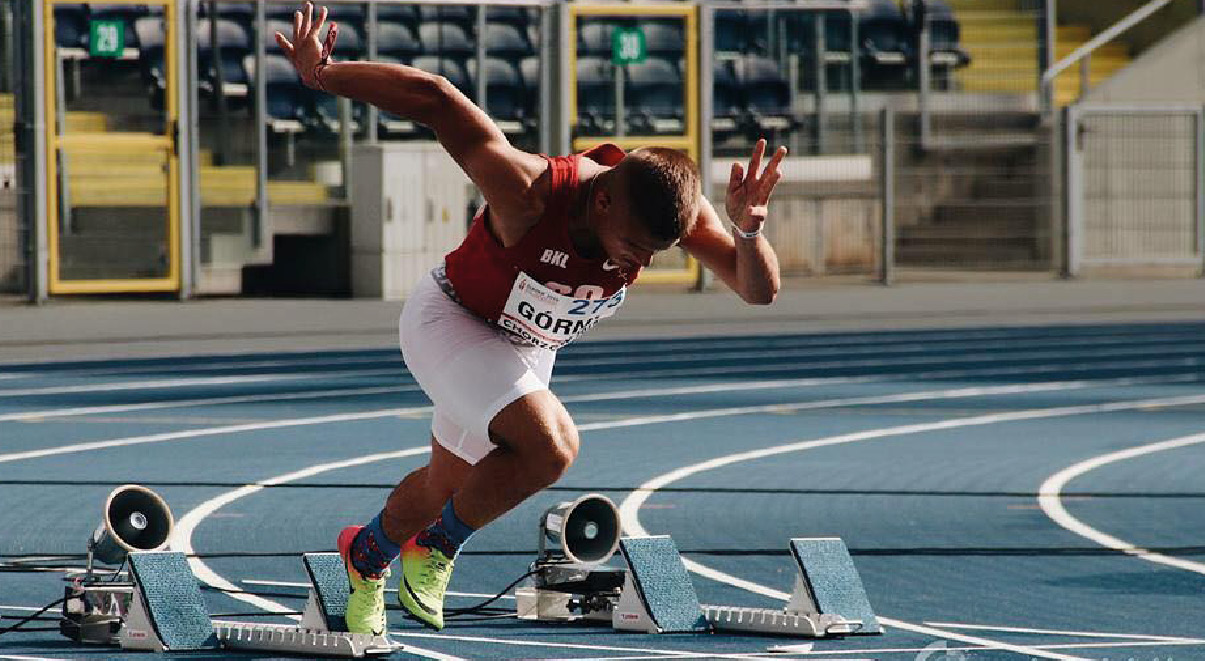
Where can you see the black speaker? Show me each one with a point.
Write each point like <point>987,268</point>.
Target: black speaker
<point>135,519</point>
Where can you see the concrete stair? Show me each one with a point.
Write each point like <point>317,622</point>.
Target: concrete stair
<point>1001,37</point>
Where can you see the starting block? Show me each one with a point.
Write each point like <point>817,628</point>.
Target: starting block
<point>161,609</point>
<point>828,598</point>
<point>657,595</point>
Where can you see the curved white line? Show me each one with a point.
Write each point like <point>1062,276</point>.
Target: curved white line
<point>1052,504</point>
<point>182,534</point>
<point>630,507</point>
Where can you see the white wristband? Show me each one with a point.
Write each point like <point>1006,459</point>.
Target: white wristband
<point>747,235</point>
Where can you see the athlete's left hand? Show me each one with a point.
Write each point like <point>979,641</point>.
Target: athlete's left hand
<point>749,191</point>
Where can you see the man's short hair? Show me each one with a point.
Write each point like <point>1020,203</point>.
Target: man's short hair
<point>663,189</point>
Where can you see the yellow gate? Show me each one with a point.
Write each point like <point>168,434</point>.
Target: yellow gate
<point>112,136</point>
<point>634,73</point>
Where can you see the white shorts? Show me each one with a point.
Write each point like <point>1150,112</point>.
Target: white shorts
<point>467,366</point>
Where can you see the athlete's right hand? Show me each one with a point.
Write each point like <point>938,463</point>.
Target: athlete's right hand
<point>307,53</point>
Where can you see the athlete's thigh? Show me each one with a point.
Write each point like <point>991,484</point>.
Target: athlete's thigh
<point>537,421</point>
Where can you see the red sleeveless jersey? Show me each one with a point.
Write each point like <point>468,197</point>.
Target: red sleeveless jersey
<point>482,271</point>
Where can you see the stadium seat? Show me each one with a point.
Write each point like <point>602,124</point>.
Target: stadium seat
<point>287,98</point>
<point>731,31</point>
<point>445,39</point>
<point>883,32</point>
<point>519,17</point>
<point>70,29</point>
<point>504,93</point>
<point>595,95</point>
<point>663,39</point>
<point>507,41</point>
<point>151,36</point>
<point>529,72</point>
<point>727,107</point>
<point>464,16</point>
<point>127,13</point>
<point>234,45</point>
<point>395,13</point>
<point>350,44</point>
<point>396,40</point>
<point>944,34</point>
<point>239,11</point>
<point>656,94</point>
<point>765,92</point>
<point>594,39</point>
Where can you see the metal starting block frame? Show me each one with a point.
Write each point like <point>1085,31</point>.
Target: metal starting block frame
<point>657,595</point>
<point>161,609</point>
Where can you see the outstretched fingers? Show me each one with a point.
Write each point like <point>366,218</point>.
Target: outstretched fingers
<point>770,177</point>
<point>284,45</point>
<point>755,163</point>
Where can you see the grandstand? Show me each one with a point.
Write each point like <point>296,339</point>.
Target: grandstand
<point>975,187</point>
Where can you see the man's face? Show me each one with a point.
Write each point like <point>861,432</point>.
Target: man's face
<point>625,240</point>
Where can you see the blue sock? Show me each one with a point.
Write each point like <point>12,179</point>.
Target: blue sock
<point>372,550</point>
<point>447,534</point>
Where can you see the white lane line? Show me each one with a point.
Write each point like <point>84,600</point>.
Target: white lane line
<point>1052,504</point>
<point>845,344</point>
<point>646,420</point>
<point>630,507</point>
<point>1055,632</point>
<point>209,431</point>
<point>209,401</point>
<point>1044,368</point>
<point>31,658</point>
<point>159,384</point>
<point>182,534</point>
<point>297,584</point>
<point>573,646</point>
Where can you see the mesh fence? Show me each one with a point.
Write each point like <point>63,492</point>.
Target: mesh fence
<point>1138,195</point>
<point>13,234</point>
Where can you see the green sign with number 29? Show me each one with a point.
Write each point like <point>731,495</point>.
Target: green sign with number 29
<point>107,38</point>
<point>627,46</point>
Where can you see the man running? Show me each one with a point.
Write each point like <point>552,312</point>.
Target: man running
<point>548,256</point>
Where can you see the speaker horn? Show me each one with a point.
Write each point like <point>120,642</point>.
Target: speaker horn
<point>586,530</point>
<point>135,519</point>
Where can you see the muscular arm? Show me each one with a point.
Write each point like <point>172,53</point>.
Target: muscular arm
<point>748,266</point>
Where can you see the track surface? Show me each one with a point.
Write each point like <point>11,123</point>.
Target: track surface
<point>981,477</point>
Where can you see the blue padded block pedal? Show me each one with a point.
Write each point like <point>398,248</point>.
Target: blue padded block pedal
<point>829,572</point>
<point>660,577</point>
<point>173,600</point>
<point>328,575</point>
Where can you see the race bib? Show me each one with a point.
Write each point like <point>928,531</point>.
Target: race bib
<point>538,315</point>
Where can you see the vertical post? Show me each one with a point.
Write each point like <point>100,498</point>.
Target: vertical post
<point>371,115</point>
<point>819,79</point>
<point>1085,73</point>
<point>482,77</point>
<point>706,13</point>
<point>1072,191</point>
<point>1047,34</point>
<point>924,70</point>
<point>794,74</point>
<point>187,134</point>
<point>565,78</point>
<point>545,117</point>
<point>345,140</point>
<point>219,83</point>
<point>855,82</point>
<point>64,167</point>
<point>887,195</point>
<point>1200,225</point>
<point>620,118</point>
<point>29,133</point>
<point>259,217</point>
<point>6,50</point>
